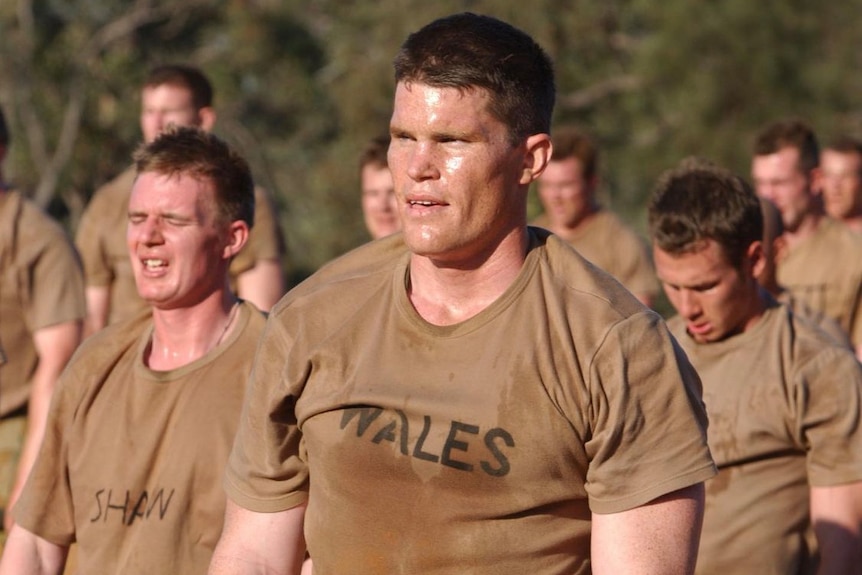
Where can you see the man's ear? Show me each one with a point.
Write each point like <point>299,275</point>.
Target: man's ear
<point>757,257</point>
<point>536,157</point>
<point>207,117</point>
<point>237,237</point>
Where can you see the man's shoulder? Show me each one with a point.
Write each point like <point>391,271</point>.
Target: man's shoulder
<point>352,269</point>
<point>114,192</point>
<point>114,340</point>
<point>577,277</point>
<point>832,234</point>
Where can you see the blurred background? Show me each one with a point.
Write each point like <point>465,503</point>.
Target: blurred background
<point>302,85</point>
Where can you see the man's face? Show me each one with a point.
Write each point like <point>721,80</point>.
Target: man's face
<point>714,298</point>
<point>175,240</point>
<point>459,182</point>
<point>164,105</point>
<point>779,178</point>
<point>565,193</point>
<point>841,183</point>
<point>379,206</point>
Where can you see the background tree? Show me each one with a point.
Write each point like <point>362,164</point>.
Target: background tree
<point>302,84</point>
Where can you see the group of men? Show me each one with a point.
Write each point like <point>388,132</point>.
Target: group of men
<point>471,395</point>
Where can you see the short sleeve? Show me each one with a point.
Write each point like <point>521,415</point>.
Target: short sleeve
<point>648,435</point>
<point>267,470</point>
<point>89,240</point>
<point>829,408</point>
<point>45,507</point>
<point>56,285</point>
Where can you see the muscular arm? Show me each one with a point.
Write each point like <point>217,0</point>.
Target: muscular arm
<point>98,305</point>
<point>54,345</point>
<point>836,513</point>
<point>26,553</point>
<point>262,285</point>
<point>259,543</point>
<point>659,537</point>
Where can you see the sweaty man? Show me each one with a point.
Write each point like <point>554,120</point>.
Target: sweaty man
<point>143,419</point>
<point>482,399</point>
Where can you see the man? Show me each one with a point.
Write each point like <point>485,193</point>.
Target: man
<point>773,245</point>
<point>483,400</point>
<point>822,260</point>
<point>378,195</point>
<point>841,167</point>
<point>567,190</point>
<point>182,96</point>
<point>783,399</point>
<point>144,416</point>
<point>41,314</point>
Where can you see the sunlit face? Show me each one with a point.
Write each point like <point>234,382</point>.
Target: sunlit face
<point>164,105</point>
<point>459,182</point>
<point>715,299</point>
<point>841,183</point>
<point>379,206</point>
<point>175,240</point>
<point>779,178</point>
<point>565,193</point>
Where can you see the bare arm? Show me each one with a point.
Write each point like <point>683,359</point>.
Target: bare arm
<point>858,350</point>
<point>54,345</point>
<point>259,543</point>
<point>836,513</point>
<point>98,305</point>
<point>262,285</point>
<point>26,553</point>
<point>660,537</point>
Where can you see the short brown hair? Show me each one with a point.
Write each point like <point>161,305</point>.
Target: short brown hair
<point>375,153</point>
<point>699,202</point>
<point>570,142</point>
<point>845,144</point>
<point>790,134</point>
<point>183,76</point>
<point>467,51</point>
<point>196,153</point>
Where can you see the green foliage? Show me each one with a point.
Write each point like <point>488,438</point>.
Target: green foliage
<point>301,85</point>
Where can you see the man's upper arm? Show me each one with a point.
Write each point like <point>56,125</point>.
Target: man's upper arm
<point>836,513</point>
<point>26,553</point>
<point>260,543</point>
<point>98,307</point>
<point>659,537</point>
<point>262,285</point>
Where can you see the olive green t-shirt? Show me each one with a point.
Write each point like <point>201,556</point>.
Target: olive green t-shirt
<point>132,462</point>
<point>825,272</point>
<point>608,243</point>
<point>480,447</point>
<point>41,284</point>
<point>784,405</point>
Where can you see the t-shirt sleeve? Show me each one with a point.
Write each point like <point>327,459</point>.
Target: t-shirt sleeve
<point>267,470</point>
<point>55,280</point>
<point>648,422</point>
<point>637,273</point>
<point>45,507</point>
<point>89,240</point>
<point>828,403</point>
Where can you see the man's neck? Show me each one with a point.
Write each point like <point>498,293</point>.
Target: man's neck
<point>183,335</point>
<point>854,223</point>
<point>571,230</point>
<point>447,293</point>
<point>806,228</point>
